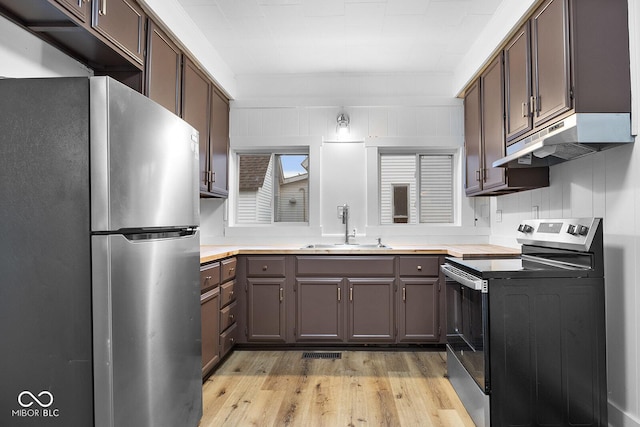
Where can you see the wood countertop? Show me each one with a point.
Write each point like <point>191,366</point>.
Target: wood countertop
<point>209,253</point>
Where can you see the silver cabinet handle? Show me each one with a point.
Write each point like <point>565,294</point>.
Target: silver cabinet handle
<point>419,268</point>
<point>350,294</point>
<point>533,105</point>
<point>265,267</point>
<point>404,294</point>
<point>524,110</point>
<point>103,8</point>
<point>339,294</point>
<point>281,294</point>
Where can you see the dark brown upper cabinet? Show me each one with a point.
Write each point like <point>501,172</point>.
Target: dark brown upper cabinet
<point>537,69</point>
<point>517,70</point>
<point>569,56</point>
<point>472,138</point>
<point>108,36</point>
<point>218,150</point>
<point>207,109</point>
<point>122,22</point>
<point>484,112</point>
<point>163,71</point>
<point>196,104</point>
<point>79,8</point>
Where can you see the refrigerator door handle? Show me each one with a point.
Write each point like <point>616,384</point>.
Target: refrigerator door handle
<point>159,234</point>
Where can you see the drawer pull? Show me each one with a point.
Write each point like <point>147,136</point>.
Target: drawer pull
<point>230,294</point>
<point>350,294</point>
<point>264,268</point>
<point>231,317</point>
<point>404,294</point>
<point>232,340</point>
<point>339,294</point>
<point>207,278</point>
<point>419,268</point>
<point>281,294</point>
<point>232,269</point>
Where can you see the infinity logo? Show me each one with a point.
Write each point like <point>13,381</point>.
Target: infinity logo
<point>35,399</point>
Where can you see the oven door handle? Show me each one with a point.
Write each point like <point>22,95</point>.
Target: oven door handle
<point>464,278</point>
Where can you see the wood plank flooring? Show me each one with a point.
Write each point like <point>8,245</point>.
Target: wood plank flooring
<point>363,388</point>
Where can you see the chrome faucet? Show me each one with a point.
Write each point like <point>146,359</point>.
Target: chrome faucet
<point>344,214</point>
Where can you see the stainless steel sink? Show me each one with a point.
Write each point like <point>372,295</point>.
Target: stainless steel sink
<point>345,246</point>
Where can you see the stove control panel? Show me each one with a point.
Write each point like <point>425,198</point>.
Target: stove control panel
<point>567,233</point>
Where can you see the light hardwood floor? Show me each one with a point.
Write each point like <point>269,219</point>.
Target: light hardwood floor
<point>363,388</point>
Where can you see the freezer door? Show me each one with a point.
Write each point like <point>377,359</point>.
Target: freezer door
<point>146,326</point>
<point>144,162</point>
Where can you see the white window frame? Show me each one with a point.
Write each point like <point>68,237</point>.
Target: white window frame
<point>413,148</point>
<point>272,153</point>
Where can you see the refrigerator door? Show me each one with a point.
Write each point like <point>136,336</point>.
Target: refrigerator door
<point>144,162</point>
<point>146,326</point>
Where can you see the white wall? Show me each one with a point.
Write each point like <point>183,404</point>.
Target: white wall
<point>605,184</point>
<point>24,55</point>
<point>386,111</point>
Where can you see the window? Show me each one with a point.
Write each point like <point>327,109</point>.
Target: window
<point>273,188</point>
<point>416,188</point>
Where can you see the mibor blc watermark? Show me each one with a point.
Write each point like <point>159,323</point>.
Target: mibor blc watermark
<point>32,405</point>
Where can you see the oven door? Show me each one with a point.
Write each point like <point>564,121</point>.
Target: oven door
<point>467,329</point>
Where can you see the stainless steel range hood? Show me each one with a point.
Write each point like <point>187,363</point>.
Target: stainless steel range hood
<point>575,136</point>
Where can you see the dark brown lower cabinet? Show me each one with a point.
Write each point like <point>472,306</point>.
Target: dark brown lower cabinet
<point>371,312</point>
<point>339,299</point>
<point>266,315</point>
<point>319,310</point>
<point>418,315</point>
<point>209,309</point>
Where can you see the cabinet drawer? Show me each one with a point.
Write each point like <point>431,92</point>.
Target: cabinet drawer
<point>228,339</point>
<point>265,266</point>
<point>343,266</point>
<point>227,293</point>
<point>228,269</point>
<point>228,315</point>
<point>209,275</point>
<point>419,266</point>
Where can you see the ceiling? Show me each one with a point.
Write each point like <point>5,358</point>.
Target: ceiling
<point>341,36</point>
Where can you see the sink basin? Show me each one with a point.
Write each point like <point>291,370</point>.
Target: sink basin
<point>345,246</point>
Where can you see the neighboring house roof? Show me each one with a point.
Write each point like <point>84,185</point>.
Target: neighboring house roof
<point>253,169</point>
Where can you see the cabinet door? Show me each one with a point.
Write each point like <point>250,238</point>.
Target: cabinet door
<point>493,148</point>
<point>419,317</point>
<point>371,313</point>
<point>209,308</point>
<point>195,110</point>
<point>219,145</point>
<point>163,73</point>
<point>472,138</point>
<point>79,8</point>
<point>266,310</point>
<point>319,310</point>
<point>517,72</point>
<point>550,53</point>
<point>122,23</point>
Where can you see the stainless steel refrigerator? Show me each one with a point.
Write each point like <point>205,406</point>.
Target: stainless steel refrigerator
<point>99,257</point>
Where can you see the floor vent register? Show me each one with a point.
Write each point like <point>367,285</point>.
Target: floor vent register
<point>324,355</point>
